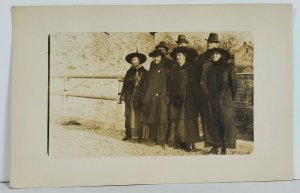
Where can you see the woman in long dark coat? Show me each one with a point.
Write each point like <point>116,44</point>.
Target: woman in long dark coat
<point>222,87</point>
<point>162,46</point>
<point>131,94</point>
<point>184,98</point>
<point>155,99</point>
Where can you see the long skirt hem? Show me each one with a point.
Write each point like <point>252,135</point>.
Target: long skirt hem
<point>230,146</point>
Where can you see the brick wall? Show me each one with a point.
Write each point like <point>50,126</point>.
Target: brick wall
<point>244,103</point>
<point>244,96</point>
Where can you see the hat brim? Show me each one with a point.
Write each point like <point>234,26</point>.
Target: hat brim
<point>142,57</point>
<point>224,53</point>
<point>212,41</point>
<point>153,54</point>
<point>185,41</point>
<point>191,53</point>
<point>162,47</point>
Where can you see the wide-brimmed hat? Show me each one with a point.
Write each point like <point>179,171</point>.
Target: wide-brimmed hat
<point>162,44</point>
<point>142,57</point>
<point>190,52</point>
<point>181,39</point>
<point>213,38</point>
<point>225,54</point>
<point>156,52</point>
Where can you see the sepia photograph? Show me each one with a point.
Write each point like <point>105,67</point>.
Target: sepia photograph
<point>96,97</point>
<point>150,93</point>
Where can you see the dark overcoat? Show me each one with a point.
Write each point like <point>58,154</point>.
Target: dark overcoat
<point>184,92</point>
<point>202,66</point>
<point>131,94</point>
<point>222,87</point>
<point>184,99</point>
<point>169,62</point>
<point>155,97</point>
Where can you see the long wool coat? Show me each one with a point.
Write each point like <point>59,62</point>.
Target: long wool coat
<point>131,94</point>
<point>155,97</point>
<point>184,103</point>
<point>222,87</point>
<point>169,62</point>
<point>184,92</point>
<point>202,65</point>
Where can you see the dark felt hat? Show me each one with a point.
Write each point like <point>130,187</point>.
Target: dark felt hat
<point>181,39</point>
<point>142,57</point>
<point>213,38</point>
<point>225,54</point>
<point>190,52</point>
<point>162,44</point>
<point>156,52</point>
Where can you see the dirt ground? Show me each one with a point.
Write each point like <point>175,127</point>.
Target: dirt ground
<point>88,139</point>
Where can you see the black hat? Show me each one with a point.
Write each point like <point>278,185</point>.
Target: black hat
<point>156,52</point>
<point>225,54</point>
<point>191,53</point>
<point>213,38</point>
<point>162,44</point>
<point>181,39</point>
<point>142,57</point>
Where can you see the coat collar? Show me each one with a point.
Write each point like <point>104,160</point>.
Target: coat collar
<point>154,65</point>
<point>141,68</point>
<point>183,66</point>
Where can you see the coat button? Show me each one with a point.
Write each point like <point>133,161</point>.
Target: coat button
<point>156,94</point>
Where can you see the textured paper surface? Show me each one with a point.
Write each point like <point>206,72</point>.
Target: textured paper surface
<point>272,156</point>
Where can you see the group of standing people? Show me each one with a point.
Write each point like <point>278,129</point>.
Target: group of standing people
<point>163,104</point>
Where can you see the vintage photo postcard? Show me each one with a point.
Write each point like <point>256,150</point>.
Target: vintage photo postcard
<point>102,95</point>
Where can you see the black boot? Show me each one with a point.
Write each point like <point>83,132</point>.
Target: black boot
<point>188,147</point>
<point>223,151</point>
<point>126,138</point>
<point>214,150</point>
<point>140,140</point>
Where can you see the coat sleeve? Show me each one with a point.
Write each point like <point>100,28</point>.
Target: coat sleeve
<point>195,82</point>
<point>143,88</point>
<point>143,82</point>
<point>202,81</point>
<point>202,70</point>
<point>125,83</point>
<point>233,83</point>
<point>168,81</point>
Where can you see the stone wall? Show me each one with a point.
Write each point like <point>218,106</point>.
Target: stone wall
<point>86,70</point>
<point>97,53</point>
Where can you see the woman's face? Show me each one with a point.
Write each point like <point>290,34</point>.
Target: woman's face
<point>182,44</point>
<point>211,45</point>
<point>135,61</point>
<point>157,59</point>
<point>216,56</point>
<point>162,49</point>
<point>180,58</point>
